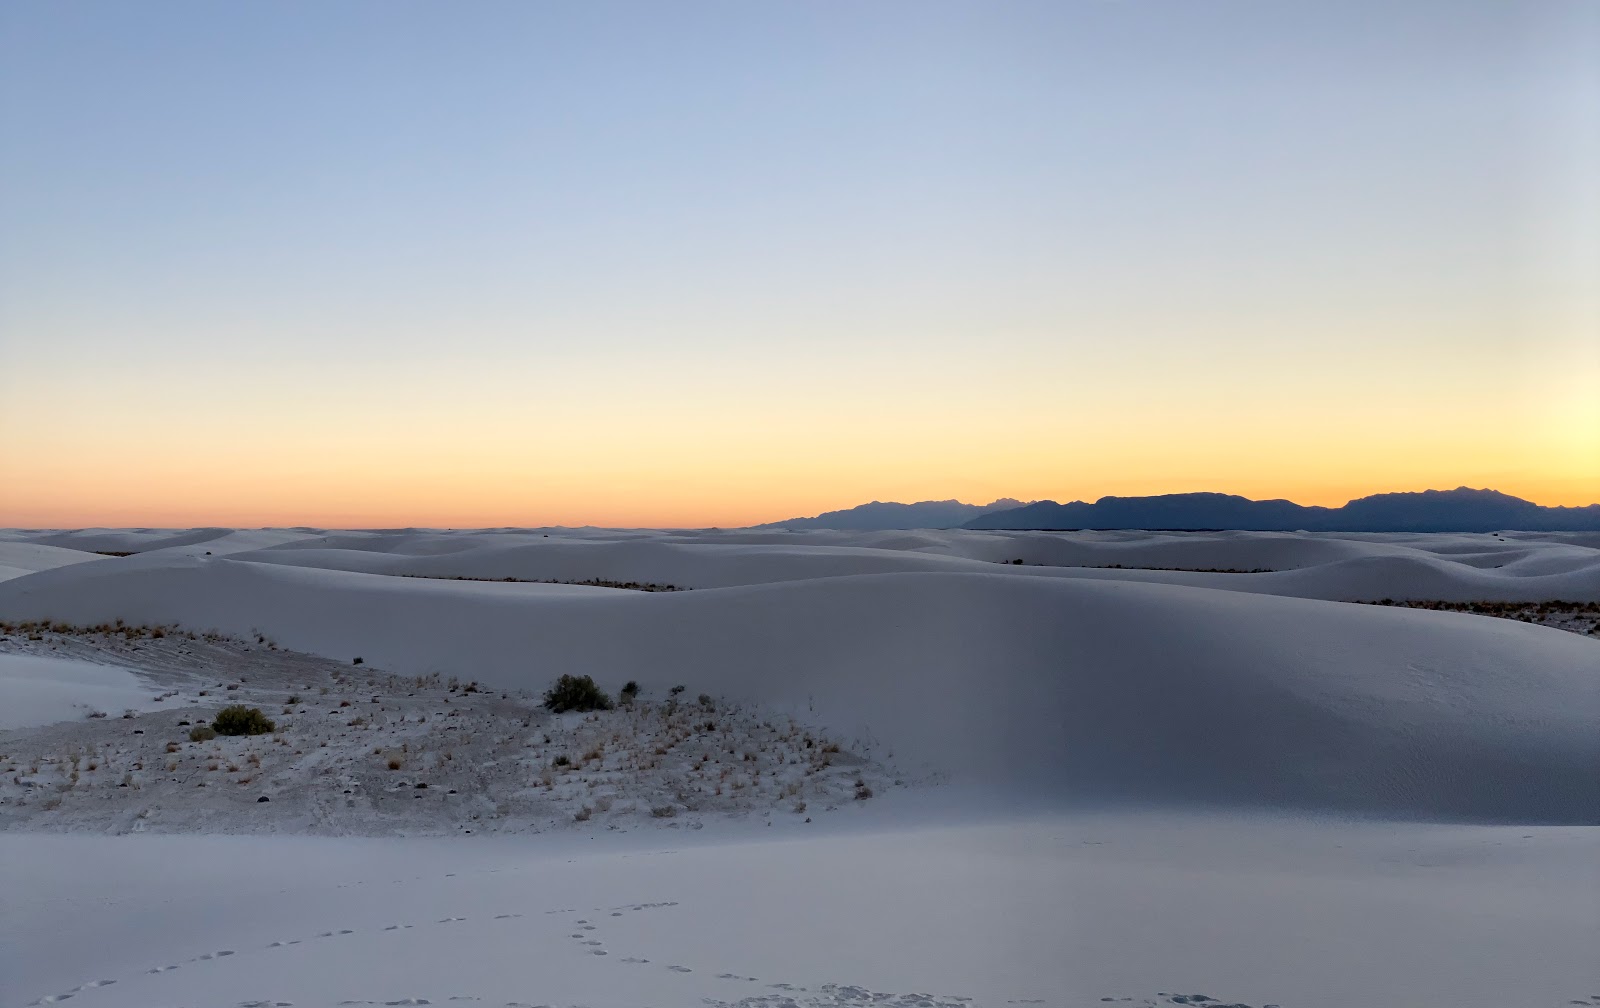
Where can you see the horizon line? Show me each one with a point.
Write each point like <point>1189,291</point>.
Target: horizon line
<point>355,524</point>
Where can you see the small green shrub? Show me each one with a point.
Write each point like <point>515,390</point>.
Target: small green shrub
<point>237,719</point>
<point>576,693</point>
<point>202,733</point>
<point>562,761</point>
<point>630,690</point>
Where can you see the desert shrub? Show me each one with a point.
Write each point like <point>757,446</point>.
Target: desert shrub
<point>676,690</point>
<point>706,702</point>
<point>663,811</point>
<point>293,699</point>
<point>358,661</point>
<point>202,733</point>
<point>237,719</point>
<point>576,693</point>
<point>583,814</point>
<point>630,690</point>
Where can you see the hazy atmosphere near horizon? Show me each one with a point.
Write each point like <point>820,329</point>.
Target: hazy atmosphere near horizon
<point>703,264</point>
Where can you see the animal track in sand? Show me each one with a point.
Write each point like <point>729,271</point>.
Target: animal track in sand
<point>790,996</point>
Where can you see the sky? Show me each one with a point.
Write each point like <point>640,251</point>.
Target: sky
<point>711,264</point>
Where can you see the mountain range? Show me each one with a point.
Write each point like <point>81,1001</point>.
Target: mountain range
<point>1460,510</point>
<point>890,515</point>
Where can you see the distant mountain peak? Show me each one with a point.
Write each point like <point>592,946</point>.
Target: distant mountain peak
<point>887,515</point>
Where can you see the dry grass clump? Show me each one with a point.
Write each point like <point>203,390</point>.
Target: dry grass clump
<point>576,693</point>
<point>237,719</point>
<point>1550,611</point>
<point>645,586</point>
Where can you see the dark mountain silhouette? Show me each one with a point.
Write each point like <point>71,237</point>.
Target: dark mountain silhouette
<point>1459,510</point>
<point>889,515</point>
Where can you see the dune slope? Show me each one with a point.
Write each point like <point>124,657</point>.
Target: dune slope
<point>1050,690</point>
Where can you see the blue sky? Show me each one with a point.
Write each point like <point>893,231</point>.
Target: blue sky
<point>732,222</point>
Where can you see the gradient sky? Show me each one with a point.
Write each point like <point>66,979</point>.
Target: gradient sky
<point>481,263</point>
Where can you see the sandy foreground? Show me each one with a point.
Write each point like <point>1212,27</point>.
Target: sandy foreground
<point>920,775</point>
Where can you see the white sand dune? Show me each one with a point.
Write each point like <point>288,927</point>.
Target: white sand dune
<point>1393,577</point>
<point>1054,689</point>
<point>19,558</point>
<point>1335,566</point>
<point>196,541</point>
<point>1157,784</point>
<point>698,565</point>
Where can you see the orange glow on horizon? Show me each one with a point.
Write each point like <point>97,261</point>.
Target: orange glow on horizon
<point>335,510</point>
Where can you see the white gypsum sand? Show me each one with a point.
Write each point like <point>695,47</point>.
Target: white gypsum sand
<point>1083,782</point>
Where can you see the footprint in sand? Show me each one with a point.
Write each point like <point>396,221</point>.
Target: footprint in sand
<point>632,959</point>
<point>680,969</point>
